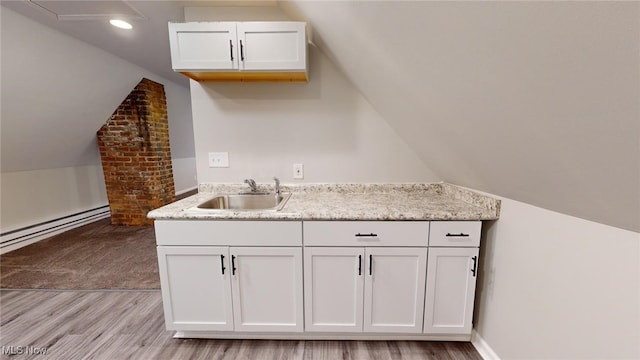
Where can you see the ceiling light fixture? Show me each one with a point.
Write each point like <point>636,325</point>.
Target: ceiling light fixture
<point>120,24</point>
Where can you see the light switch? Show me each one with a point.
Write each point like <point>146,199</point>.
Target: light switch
<point>218,159</point>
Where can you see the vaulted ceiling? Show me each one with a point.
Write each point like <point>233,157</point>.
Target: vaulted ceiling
<point>534,101</point>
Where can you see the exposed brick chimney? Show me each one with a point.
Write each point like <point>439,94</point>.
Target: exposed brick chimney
<point>136,158</point>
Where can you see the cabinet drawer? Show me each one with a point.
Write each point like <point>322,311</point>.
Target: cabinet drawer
<point>365,233</point>
<point>455,233</point>
<point>228,233</point>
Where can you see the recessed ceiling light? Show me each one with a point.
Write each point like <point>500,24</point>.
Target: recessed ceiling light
<point>120,24</point>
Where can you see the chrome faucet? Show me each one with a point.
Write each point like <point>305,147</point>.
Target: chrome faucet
<point>277,187</point>
<point>252,184</point>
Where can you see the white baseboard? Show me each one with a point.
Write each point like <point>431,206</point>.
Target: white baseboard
<point>15,239</point>
<point>482,347</point>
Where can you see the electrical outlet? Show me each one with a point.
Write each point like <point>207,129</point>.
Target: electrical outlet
<point>218,159</point>
<point>298,171</point>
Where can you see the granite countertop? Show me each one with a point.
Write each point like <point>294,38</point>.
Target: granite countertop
<point>431,201</point>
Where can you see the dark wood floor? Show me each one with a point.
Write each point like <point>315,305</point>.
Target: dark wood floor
<point>130,325</point>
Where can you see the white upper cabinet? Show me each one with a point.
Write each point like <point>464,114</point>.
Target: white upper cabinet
<point>198,46</point>
<point>272,46</point>
<point>240,51</point>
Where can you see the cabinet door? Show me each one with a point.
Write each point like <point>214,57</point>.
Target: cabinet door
<point>200,46</point>
<point>451,284</point>
<point>267,288</point>
<point>196,289</point>
<point>272,45</point>
<point>333,289</point>
<point>394,289</point>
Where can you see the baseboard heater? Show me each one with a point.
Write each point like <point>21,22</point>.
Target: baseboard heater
<point>15,239</point>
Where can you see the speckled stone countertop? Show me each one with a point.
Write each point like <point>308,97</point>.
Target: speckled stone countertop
<point>432,201</point>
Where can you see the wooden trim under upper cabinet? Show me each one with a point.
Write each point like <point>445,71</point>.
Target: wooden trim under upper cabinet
<point>248,76</point>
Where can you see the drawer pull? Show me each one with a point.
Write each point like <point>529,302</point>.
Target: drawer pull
<point>366,235</point>
<point>461,234</point>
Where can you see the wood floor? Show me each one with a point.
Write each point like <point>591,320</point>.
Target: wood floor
<point>130,325</point>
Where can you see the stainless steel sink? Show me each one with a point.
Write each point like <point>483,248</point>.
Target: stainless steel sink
<point>247,201</point>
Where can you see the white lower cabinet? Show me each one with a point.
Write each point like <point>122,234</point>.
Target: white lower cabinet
<point>231,275</point>
<point>362,279</point>
<point>267,289</point>
<point>232,288</point>
<point>394,289</point>
<point>364,289</point>
<point>196,287</point>
<point>451,284</point>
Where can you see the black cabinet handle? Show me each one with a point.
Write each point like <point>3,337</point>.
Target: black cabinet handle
<point>231,48</point>
<point>370,264</point>
<point>241,51</point>
<point>233,265</point>
<point>475,264</point>
<point>461,234</point>
<point>222,263</point>
<point>366,235</point>
<point>359,265</point>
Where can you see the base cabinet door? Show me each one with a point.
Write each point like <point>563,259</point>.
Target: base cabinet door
<point>394,289</point>
<point>267,288</point>
<point>451,283</point>
<point>196,289</point>
<point>333,293</point>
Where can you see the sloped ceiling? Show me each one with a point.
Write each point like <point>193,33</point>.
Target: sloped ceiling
<point>534,101</point>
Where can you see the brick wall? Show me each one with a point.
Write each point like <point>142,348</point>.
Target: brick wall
<point>136,158</point>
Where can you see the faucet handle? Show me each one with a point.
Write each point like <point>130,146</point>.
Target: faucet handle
<point>252,184</point>
<point>277,189</point>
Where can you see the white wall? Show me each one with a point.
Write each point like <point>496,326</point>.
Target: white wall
<point>56,93</point>
<point>324,124</point>
<point>553,286</point>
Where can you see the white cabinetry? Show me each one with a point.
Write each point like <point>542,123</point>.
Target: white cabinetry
<point>201,45</point>
<point>362,279</point>
<point>373,289</point>
<point>240,51</point>
<point>196,288</point>
<point>267,289</point>
<point>241,288</point>
<point>451,276</point>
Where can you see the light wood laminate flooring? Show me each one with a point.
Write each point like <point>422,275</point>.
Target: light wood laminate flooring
<point>130,325</point>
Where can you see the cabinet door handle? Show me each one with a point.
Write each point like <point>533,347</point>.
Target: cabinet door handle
<point>241,51</point>
<point>370,264</point>
<point>359,265</point>
<point>233,265</point>
<point>366,235</point>
<point>475,265</point>
<point>222,263</point>
<point>231,49</point>
<point>461,234</point>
